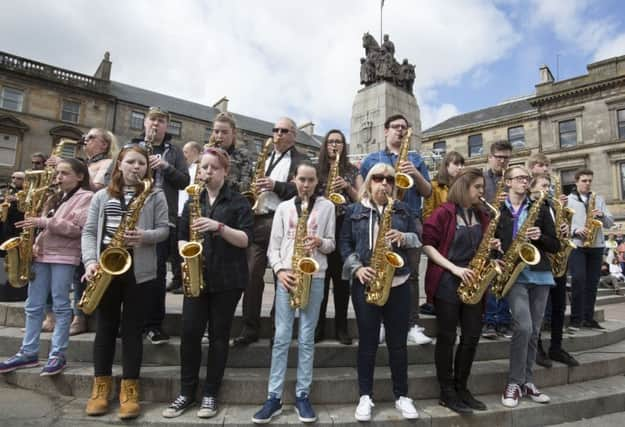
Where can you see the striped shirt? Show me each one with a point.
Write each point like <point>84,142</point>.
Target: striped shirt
<point>113,214</point>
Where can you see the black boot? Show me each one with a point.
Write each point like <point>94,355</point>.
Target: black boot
<point>541,357</point>
<point>468,399</point>
<point>465,353</point>
<point>449,399</point>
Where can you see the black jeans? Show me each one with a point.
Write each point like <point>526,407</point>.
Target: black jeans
<point>394,314</point>
<point>257,263</point>
<point>341,294</point>
<point>122,291</point>
<point>218,310</point>
<point>585,268</point>
<point>557,296</point>
<point>156,289</point>
<point>454,372</point>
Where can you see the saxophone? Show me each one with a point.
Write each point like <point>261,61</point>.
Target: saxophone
<point>563,215</point>
<point>4,206</point>
<point>20,249</point>
<point>336,198</point>
<point>471,292</point>
<point>383,261</point>
<point>303,266</point>
<point>191,252</point>
<point>148,140</point>
<point>403,181</point>
<point>254,194</point>
<point>592,225</point>
<point>115,259</point>
<point>520,254</point>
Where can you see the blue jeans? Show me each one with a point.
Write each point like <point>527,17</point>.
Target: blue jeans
<point>305,339</point>
<point>497,312</point>
<point>585,268</point>
<point>57,280</point>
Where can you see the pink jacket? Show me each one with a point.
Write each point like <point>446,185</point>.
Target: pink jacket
<point>59,240</point>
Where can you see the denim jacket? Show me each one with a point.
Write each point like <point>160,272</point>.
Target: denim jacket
<point>356,244</point>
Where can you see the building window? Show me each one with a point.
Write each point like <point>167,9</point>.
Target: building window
<point>567,180</point>
<point>136,120</point>
<point>12,99</point>
<point>622,173</point>
<point>207,134</point>
<point>8,149</point>
<point>475,145</point>
<point>439,148</point>
<point>174,128</point>
<point>568,133</point>
<point>621,124</point>
<point>516,137</point>
<point>70,112</point>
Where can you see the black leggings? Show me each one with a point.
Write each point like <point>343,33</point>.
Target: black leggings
<point>218,310</point>
<point>448,315</point>
<point>123,290</point>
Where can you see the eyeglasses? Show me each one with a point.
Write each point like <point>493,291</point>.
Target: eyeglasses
<point>17,177</point>
<point>37,162</point>
<point>500,157</point>
<point>398,127</point>
<point>280,130</point>
<point>380,178</point>
<point>521,178</point>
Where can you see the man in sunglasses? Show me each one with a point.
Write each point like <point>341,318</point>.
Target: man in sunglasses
<point>38,161</point>
<point>277,185</point>
<point>497,317</point>
<point>170,173</point>
<point>395,127</point>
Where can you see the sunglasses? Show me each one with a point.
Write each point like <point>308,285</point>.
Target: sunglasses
<point>280,130</point>
<point>380,178</point>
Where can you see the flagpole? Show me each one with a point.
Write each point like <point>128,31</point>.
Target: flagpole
<point>381,7</point>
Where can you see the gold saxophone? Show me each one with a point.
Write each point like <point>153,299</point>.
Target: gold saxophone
<point>383,260</point>
<point>212,142</point>
<point>520,254</point>
<point>563,215</point>
<point>115,259</point>
<point>5,205</point>
<point>403,181</point>
<point>191,252</point>
<point>303,266</point>
<point>336,198</point>
<point>254,194</point>
<point>592,225</point>
<point>485,269</point>
<point>148,140</point>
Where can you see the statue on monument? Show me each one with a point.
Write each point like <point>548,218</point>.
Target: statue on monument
<point>380,64</point>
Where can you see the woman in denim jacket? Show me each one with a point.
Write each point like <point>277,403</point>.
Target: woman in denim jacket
<point>357,239</point>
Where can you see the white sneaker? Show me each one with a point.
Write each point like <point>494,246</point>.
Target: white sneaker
<point>406,407</point>
<point>511,395</point>
<point>382,333</point>
<point>363,411</point>
<point>416,336</point>
<point>529,389</point>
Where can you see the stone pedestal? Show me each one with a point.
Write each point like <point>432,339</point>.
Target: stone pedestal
<point>372,105</point>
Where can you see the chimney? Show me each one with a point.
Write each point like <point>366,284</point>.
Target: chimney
<point>308,128</point>
<point>104,70</point>
<point>545,75</point>
<point>222,105</point>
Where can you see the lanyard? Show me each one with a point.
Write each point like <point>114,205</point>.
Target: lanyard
<point>272,164</point>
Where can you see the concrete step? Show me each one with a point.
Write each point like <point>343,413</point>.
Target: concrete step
<point>327,353</point>
<point>609,299</point>
<point>12,315</point>
<point>571,402</point>
<point>331,384</point>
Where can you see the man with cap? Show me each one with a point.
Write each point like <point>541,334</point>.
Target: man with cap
<point>170,173</point>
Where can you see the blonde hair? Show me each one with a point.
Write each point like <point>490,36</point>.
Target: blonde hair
<point>365,189</point>
<point>110,139</point>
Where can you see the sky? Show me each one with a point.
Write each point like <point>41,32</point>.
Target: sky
<point>276,58</point>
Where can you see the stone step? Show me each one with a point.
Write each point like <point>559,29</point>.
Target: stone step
<point>610,420</point>
<point>12,315</point>
<point>609,299</point>
<point>332,385</point>
<point>569,403</point>
<point>327,353</point>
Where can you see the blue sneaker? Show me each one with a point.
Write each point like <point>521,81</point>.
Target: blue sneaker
<point>304,409</point>
<point>55,365</point>
<point>271,408</point>
<point>19,361</point>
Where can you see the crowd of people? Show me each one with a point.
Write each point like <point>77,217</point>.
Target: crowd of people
<point>131,197</point>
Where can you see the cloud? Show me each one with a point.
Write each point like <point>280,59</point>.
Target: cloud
<point>270,58</point>
<point>614,47</point>
<point>432,114</point>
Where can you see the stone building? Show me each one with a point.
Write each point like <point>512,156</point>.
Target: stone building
<point>41,103</point>
<point>577,122</point>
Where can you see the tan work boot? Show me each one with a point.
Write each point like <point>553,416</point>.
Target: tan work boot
<point>129,399</point>
<point>98,403</point>
<point>48,323</point>
<point>78,326</point>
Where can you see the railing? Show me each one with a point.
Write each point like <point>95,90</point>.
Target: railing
<point>34,68</point>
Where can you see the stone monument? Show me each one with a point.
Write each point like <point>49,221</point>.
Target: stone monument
<point>388,89</point>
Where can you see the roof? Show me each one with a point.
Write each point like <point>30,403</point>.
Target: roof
<point>487,114</point>
<point>182,107</point>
